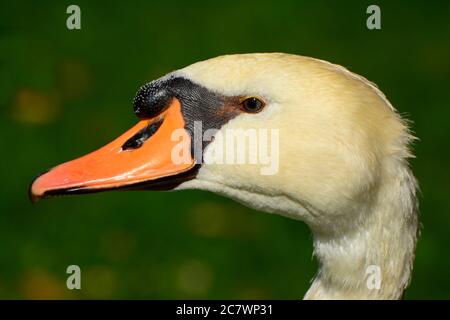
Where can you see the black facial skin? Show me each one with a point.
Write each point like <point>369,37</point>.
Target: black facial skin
<point>197,103</point>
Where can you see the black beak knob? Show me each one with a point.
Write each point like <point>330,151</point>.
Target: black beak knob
<point>152,99</point>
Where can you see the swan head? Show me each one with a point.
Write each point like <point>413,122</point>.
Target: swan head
<point>280,133</point>
<point>318,139</point>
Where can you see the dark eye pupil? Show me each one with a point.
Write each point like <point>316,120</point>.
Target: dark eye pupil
<point>252,104</point>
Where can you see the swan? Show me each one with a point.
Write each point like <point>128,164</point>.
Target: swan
<point>343,155</point>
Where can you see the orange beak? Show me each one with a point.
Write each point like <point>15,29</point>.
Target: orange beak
<point>140,158</point>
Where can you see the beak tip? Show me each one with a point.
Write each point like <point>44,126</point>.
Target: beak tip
<point>33,198</point>
<point>34,194</point>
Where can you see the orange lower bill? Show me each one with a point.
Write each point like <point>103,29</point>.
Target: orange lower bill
<point>113,167</point>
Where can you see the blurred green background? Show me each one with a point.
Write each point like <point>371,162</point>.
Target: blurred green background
<point>64,93</point>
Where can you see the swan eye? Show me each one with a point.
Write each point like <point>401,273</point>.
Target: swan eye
<point>252,105</point>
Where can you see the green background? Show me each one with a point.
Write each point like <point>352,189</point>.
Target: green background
<point>64,93</point>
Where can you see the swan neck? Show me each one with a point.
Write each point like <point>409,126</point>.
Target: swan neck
<point>373,259</point>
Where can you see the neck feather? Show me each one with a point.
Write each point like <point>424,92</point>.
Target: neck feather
<point>373,259</point>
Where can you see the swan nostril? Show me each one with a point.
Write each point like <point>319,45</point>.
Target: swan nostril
<point>143,135</point>
<point>151,100</point>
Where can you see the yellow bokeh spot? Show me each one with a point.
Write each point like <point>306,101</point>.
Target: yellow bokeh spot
<point>35,107</point>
